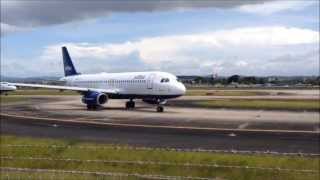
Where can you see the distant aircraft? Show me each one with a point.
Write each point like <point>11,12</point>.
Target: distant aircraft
<point>6,87</point>
<point>151,87</point>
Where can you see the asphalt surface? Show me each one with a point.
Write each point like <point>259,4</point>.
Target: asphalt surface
<point>291,132</point>
<point>165,138</point>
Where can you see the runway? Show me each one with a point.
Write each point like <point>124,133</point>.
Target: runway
<point>221,129</point>
<point>165,138</point>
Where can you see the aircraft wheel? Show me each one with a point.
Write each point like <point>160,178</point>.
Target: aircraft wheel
<point>127,104</point>
<point>160,109</point>
<point>130,104</point>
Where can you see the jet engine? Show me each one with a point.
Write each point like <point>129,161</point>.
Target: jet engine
<point>93,98</point>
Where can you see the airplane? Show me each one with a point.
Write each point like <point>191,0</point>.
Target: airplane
<point>152,87</point>
<point>6,87</point>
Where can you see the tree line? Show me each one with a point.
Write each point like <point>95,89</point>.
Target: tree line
<point>237,79</point>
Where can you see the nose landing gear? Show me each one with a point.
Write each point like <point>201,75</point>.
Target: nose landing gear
<point>130,104</point>
<point>160,104</point>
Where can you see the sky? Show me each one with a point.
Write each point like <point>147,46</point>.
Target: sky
<point>249,37</point>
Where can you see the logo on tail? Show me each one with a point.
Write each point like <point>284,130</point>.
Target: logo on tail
<point>69,68</point>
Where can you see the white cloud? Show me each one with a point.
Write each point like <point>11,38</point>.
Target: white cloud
<point>248,51</point>
<point>242,63</point>
<point>155,50</point>
<point>270,7</point>
<point>6,29</point>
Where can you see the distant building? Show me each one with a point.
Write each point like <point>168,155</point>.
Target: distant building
<point>188,79</point>
<point>270,79</point>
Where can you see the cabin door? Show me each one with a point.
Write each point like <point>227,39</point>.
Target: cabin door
<point>150,81</point>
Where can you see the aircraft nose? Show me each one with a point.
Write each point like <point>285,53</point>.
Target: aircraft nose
<point>181,89</point>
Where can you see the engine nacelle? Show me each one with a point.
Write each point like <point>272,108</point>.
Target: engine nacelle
<point>94,98</point>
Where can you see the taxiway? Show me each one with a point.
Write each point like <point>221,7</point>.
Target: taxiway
<point>178,127</point>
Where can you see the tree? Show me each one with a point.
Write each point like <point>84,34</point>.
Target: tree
<point>249,80</point>
<point>233,79</point>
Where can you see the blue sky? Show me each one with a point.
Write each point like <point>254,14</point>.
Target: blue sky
<point>280,39</point>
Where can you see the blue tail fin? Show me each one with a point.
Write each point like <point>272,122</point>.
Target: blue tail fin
<point>69,69</point>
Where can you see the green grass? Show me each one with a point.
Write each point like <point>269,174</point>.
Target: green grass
<point>11,99</point>
<point>46,175</point>
<point>110,152</point>
<point>205,87</point>
<point>225,93</point>
<point>42,92</point>
<point>255,104</point>
<point>313,105</point>
<point>22,95</point>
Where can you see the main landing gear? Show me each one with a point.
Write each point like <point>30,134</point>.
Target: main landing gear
<point>130,104</point>
<point>160,108</point>
<point>159,102</point>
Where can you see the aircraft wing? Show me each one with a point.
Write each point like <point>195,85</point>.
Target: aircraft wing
<point>71,88</point>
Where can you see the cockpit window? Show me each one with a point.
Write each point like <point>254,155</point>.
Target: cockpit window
<point>164,80</point>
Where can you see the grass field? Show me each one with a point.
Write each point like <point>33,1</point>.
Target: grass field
<point>10,99</point>
<point>75,155</point>
<point>225,93</point>
<point>265,104</point>
<point>42,92</point>
<point>22,95</point>
<point>262,104</point>
<point>273,104</point>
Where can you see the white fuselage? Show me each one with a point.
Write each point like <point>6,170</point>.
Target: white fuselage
<point>4,86</point>
<point>131,84</point>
